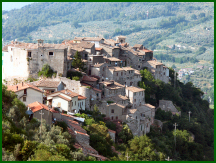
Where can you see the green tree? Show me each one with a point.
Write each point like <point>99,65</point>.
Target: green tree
<point>142,148</point>
<point>125,134</point>
<point>77,61</point>
<point>46,71</point>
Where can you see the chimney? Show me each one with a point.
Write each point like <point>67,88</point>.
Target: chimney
<point>22,84</point>
<point>17,88</point>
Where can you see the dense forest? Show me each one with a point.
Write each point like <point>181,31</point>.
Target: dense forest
<point>29,18</point>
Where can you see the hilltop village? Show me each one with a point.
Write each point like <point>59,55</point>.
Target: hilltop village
<point>110,82</point>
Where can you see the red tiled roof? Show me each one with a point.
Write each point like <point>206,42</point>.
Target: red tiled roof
<point>98,49</point>
<point>81,97</point>
<point>54,111</point>
<point>77,146</point>
<point>73,134</point>
<point>92,87</point>
<point>146,50</point>
<point>22,87</point>
<point>36,106</point>
<point>75,125</point>
<point>112,131</point>
<point>88,78</point>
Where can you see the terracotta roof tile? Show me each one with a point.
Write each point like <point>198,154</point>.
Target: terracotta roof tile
<point>81,97</point>
<point>146,50</point>
<point>112,131</point>
<point>22,86</point>
<point>36,106</point>
<point>98,49</point>
<point>88,78</point>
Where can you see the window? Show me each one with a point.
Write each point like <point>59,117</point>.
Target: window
<point>112,111</point>
<point>136,117</point>
<point>110,62</point>
<point>50,53</point>
<point>112,118</point>
<point>116,117</point>
<point>89,59</point>
<point>121,73</point>
<point>103,68</point>
<point>134,100</point>
<point>75,103</point>
<point>97,94</point>
<point>24,99</point>
<point>135,94</point>
<point>117,74</point>
<point>25,91</point>
<point>164,73</point>
<point>29,54</point>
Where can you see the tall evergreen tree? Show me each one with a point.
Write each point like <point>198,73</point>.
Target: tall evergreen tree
<point>77,61</point>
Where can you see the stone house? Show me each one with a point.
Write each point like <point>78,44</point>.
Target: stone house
<point>47,113</point>
<point>99,70</point>
<point>140,119</point>
<point>167,105</point>
<point>111,88</point>
<point>110,50</point>
<point>66,100</point>
<point>158,70</point>
<point>123,75</point>
<point>27,93</point>
<point>136,95</point>
<point>113,61</point>
<point>48,85</point>
<point>26,59</point>
<point>138,124</point>
<point>115,107</point>
<point>89,80</point>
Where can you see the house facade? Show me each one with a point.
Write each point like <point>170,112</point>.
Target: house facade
<point>27,93</point>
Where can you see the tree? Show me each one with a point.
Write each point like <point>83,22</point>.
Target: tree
<point>142,148</point>
<point>125,135</point>
<point>46,71</point>
<point>77,61</point>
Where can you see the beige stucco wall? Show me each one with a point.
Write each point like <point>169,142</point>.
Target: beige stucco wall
<point>32,96</point>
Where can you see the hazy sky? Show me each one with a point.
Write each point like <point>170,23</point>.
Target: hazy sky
<point>13,5</point>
